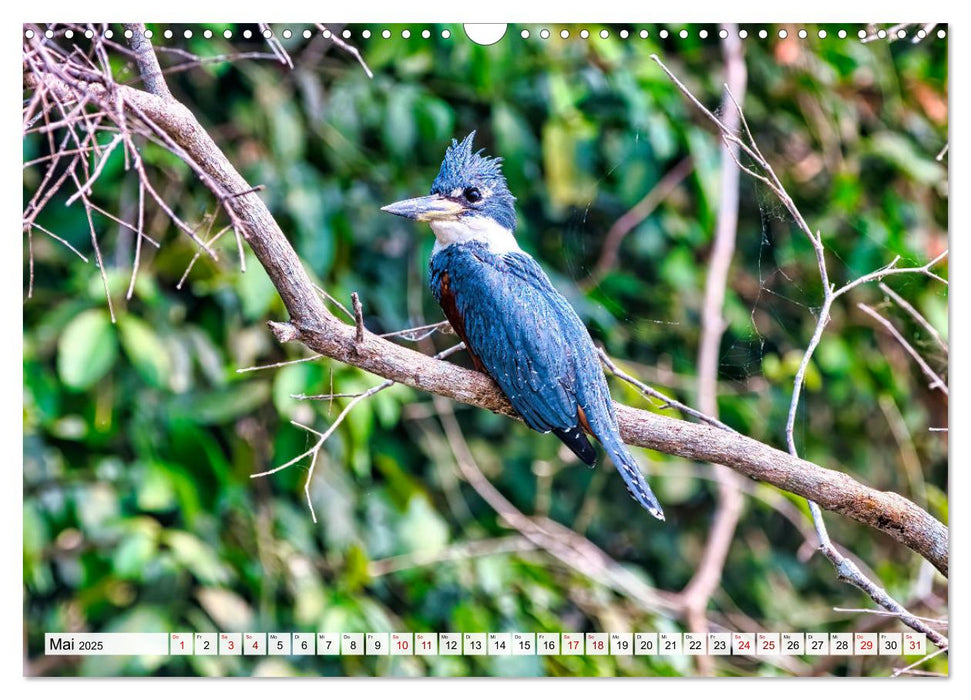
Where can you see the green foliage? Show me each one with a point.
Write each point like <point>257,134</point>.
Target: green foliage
<point>140,437</point>
<point>87,349</point>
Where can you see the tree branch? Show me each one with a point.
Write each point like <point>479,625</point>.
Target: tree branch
<point>147,62</point>
<point>708,575</point>
<point>846,569</point>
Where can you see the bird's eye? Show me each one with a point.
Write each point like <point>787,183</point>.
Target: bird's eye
<point>472,194</point>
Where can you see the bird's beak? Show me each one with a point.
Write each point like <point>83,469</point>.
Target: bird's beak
<point>434,207</point>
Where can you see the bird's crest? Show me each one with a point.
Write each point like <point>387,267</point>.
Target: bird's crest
<point>462,165</point>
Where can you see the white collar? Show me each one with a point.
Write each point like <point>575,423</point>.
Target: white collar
<point>482,229</point>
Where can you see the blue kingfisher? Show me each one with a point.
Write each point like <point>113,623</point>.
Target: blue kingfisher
<point>517,328</point>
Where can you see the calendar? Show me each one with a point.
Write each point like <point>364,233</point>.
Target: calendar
<point>895,644</point>
<point>403,347</point>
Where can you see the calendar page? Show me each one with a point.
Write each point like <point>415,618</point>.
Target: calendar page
<point>475,350</point>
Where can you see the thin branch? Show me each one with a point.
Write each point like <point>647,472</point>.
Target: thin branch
<point>324,294</point>
<point>275,45</point>
<point>97,250</point>
<point>58,238</point>
<point>916,315</point>
<point>935,379</point>
<point>147,62</point>
<point>888,613</point>
<point>905,445</point>
<point>30,252</point>
<point>650,391</point>
<point>632,218</point>
<point>845,568</point>
<point>513,544</point>
<point>344,46</point>
<point>358,317</point>
<point>276,365</point>
<point>86,187</point>
<point>138,238</point>
<point>905,669</point>
<point>419,333</point>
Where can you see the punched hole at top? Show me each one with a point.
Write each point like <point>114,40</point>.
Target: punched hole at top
<point>485,34</point>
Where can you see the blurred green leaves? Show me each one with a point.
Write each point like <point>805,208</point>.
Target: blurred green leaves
<point>145,349</point>
<point>87,349</point>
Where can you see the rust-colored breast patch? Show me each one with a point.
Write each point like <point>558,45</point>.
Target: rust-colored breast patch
<point>446,299</point>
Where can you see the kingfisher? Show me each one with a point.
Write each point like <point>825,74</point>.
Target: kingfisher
<point>517,328</point>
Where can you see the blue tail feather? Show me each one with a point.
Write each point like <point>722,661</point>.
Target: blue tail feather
<point>637,485</point>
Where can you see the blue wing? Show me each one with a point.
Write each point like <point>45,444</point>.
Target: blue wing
<point>519,328</point>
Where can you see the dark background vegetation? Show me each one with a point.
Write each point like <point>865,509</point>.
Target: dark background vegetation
<point>139,437</point>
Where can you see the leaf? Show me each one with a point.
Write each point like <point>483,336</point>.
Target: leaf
<point>86,349</point>
<point>224,404</point>
<point>567,182</point>
<point>135,551</point>
<point>255,290</point>
<point>400,129</point>
<point>155,490</point>
<point>228,610</point>
<point>197,557</point>
<point>145,349</point>
<point>422,529</point>
<point>904,155</point>
<point>296,379</point>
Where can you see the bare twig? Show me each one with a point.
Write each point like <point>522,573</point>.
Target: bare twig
<point>916,315</point>
<point>890,34</point>
<point>195,60</point>
<point>314,451</point>
<point>276,365</point>
<point>212,241</point>
<point>324,294</point>
<point>138,238</point>
<point>905,669</point>
<point>419,333</point>
<point>358,317</point>
<point>935,379</point>
<point>572,549</point>
<point>275,45</point>
<point>667,401</point>
<point>344,46</point>
<point>630,220</point>
<point>845,568</point>
<point>512,544</point>
<point>889,613</point>
<point>58,238</point>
